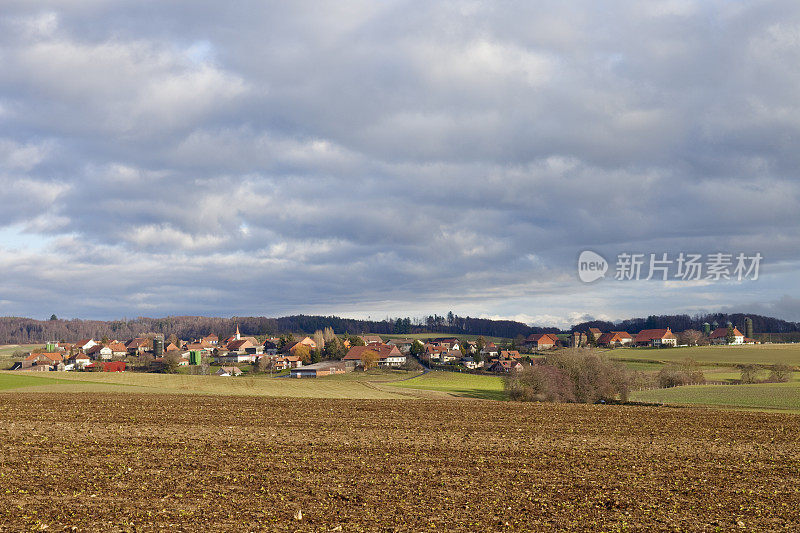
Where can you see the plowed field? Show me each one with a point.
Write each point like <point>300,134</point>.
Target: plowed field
<point>104,462</point>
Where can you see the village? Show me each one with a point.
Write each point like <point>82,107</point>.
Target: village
<point>325,353</point>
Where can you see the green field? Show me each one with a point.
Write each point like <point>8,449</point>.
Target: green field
<point>780,396</point>
<point>760,354</point>
<point>458,384</point>
<point>351,385</point>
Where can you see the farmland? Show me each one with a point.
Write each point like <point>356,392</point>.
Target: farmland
<point>761,396</point>
<point>762,354</point>
<point>246,463</point>
<point>354,385</point>
<point>457,384</point>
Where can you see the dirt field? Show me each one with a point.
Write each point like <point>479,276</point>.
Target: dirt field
<point>144,462</point>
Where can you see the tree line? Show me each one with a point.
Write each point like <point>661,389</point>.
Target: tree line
<point>761,324</point>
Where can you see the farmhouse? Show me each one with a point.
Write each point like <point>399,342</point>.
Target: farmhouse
<point>371,339</point>
<point>656,338</point>
<point>325,368</point>
<point>490,350</point>
<point>387,355</point>
<point>43,361</point>
<point>614,338</point>
<point>505,366</point>
<point>100,352</point>
<point>542,341</point>
<point>720,336</point>
<point>139,345</point>
<point>85,344</point>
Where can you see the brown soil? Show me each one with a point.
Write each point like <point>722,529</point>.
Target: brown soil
<point>104,462</point>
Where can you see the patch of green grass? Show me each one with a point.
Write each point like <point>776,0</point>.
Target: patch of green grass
<point>16,381</point>
<point>784,396</point>
<point>761,354</point>
<point>7,351</point>
<point>458,384</point>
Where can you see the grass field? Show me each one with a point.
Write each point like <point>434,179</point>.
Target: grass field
<point>458,384</point>
<point>762,354</point>
<point>353,385</point>
<point>125,462</point>
<point>781,396</point>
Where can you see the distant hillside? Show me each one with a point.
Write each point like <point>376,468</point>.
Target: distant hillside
<point>761,324</point>
<point>16,330</point>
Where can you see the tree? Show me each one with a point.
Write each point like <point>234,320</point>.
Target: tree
<point>780,373</point>
<point>328,334</point>
<point>690,337</point>
<point>417,348</point>
<point>316,355</point>
<point>334,349</point>
<point>480,343</point>
<point>303,352</point>
<point>261,365</point>
<point>171,361</point>
<point>286,341</point>
<point>53,317</point>
<point>172,339</point>
<point>319,339</point>
<point>369,359</point>
<point>749,373</point>
<point>730,336</point>
<point>355,340</point>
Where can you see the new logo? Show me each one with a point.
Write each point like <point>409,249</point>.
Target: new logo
<point>591,266</point>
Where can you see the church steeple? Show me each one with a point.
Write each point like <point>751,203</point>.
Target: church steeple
<point>238,335</point>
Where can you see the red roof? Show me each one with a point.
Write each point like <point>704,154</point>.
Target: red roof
<point>647,335</point>
<point>53,356</point>
<point>723,332</point>
<point>383,351</point>
<point>613,336</point>
<point>539,337</point>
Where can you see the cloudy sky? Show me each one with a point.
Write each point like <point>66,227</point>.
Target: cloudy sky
<point>394,158</point>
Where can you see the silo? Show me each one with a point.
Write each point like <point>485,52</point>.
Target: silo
<point>194,357</point>
<point>158,346</point>
<point>707,328</point>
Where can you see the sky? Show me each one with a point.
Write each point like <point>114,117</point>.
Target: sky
<point>396,158</point>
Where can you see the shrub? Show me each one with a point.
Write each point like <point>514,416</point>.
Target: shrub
<point>779,373</point>
<point>687,372</point>
<point>749,373</point>
<point>578,375</point>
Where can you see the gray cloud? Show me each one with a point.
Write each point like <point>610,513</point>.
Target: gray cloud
<point>376,159</point>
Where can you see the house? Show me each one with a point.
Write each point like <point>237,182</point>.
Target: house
<point>614,338</point>
<point>387,355</point>
<point>117,348</point>
<point>286,362</point>
<point>228,371</point>
<point>317,370</point>
<point>212,339</point>
<point>45,360</point>
<point>505,366</point>
<point>509,354</point>
<point>404,345</point>
<point>720,336</point>
<point>445,356</point>
<point>85,344</point>
<point>271,346</point>
<point>371,339</point>
<point>79,361</point>
<point>656,338</point>
<point>237,336</point>
<point>748,340</point>
<point>542,341</point>
<point>489,350</point>
<point>100,352</point>
<point>470,363</point>
<point>139,345</point>
<point>593,333</point>
<point>240,345</point>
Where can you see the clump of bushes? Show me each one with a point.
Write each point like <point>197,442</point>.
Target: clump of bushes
<point>579,375</point>
<point>778,373</point>
<point>687,372</point>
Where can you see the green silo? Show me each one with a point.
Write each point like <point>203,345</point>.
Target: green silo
<point>194,357</point>
<point>50,347</point>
